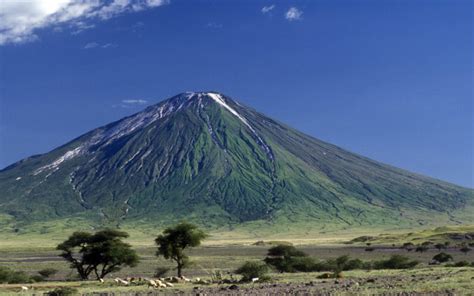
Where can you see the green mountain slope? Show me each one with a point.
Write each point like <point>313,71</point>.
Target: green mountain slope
<point>206,158</point>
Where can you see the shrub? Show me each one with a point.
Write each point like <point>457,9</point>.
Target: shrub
<point>395,262</point>
<point>286,258</point>
<point>353,264</point>
<point>8,276</point>
<point>47,272</point>
<point>251,270</point>
<point>408,246</point>
<point>421,249</point>
<point>343,263</point>
<point>62,291</point>
<point>303,264</point>
<point>443,257</point>
<point>459,264</point>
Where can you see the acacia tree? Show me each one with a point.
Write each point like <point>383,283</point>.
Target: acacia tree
<point>174,240</point>
<point>73,250</point>
<point>102,253</point>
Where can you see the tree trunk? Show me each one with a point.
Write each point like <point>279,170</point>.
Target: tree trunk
<point>180,267</point>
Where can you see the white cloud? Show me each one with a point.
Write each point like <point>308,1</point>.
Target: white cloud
<point>267,9</point>
<point>213,25</point>
<point>108,45</point>
<point>20,20</point>
<point>293,14</point>
<point>135,102</point>
<point>91,45</point>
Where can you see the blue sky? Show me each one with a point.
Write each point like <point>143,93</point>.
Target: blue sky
<point>391,80</point>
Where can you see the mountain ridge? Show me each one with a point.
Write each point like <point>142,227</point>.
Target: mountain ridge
<point>206,157</point>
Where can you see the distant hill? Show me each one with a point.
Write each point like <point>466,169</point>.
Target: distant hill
<point>206,158</point>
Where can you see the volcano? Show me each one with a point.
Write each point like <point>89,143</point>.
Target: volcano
<point>204,157</point>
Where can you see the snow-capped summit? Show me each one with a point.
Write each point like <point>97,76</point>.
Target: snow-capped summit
<point>203,155</point>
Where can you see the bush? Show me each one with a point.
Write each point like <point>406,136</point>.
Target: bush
<point>47,272</point>
<point>251,270</point>
<point>62,291</point>
<point>421,249</point>
<point>343,263</point>
<point>443,257</point>
<point>460,264</point>
<point>395,262</point>
<point>408,246</point>
<point>8,276</point>
<point>303,264</point>
<point>286,258</point>
<point>353,264</point>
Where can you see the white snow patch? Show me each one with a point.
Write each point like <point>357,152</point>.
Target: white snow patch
<point>220,101</point>
<point>217,98</point>
<point>54,165</point>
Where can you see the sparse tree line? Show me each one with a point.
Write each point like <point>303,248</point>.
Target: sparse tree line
<point>425,246</point>
<point>287,258</point>
<point>98,254</point>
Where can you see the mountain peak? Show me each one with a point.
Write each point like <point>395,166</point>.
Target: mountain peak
<point>203,155</point>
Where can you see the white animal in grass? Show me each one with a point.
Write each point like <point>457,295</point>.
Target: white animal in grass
<point>122,282</point>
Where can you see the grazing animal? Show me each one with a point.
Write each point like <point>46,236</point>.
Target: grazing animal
<point>152,283</point>
<point>101,280</point>
<point>255,280</point>
<point>120,281</point>
<point>23,288</point>
<point>185,279</point>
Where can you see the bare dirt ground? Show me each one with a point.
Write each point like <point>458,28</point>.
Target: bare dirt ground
<point>420,281</point>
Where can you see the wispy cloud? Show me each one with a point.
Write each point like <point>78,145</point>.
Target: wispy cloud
<point>267,9</point>
<point>213,25</point>
<point>135,102</point>
<point>20,20</point>
<point>92,45</point>
<point>293,14</point>
<point>131,103</point>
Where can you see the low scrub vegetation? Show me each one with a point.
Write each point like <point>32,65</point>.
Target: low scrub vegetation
<point>442,257</point>
<point>289,259</point>
<point>395,262</point>
<point>251,271</point>
<point>62,291</point>
<point>9,276</point>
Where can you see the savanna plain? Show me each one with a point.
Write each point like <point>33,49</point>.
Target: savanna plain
<point>214,265</point>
